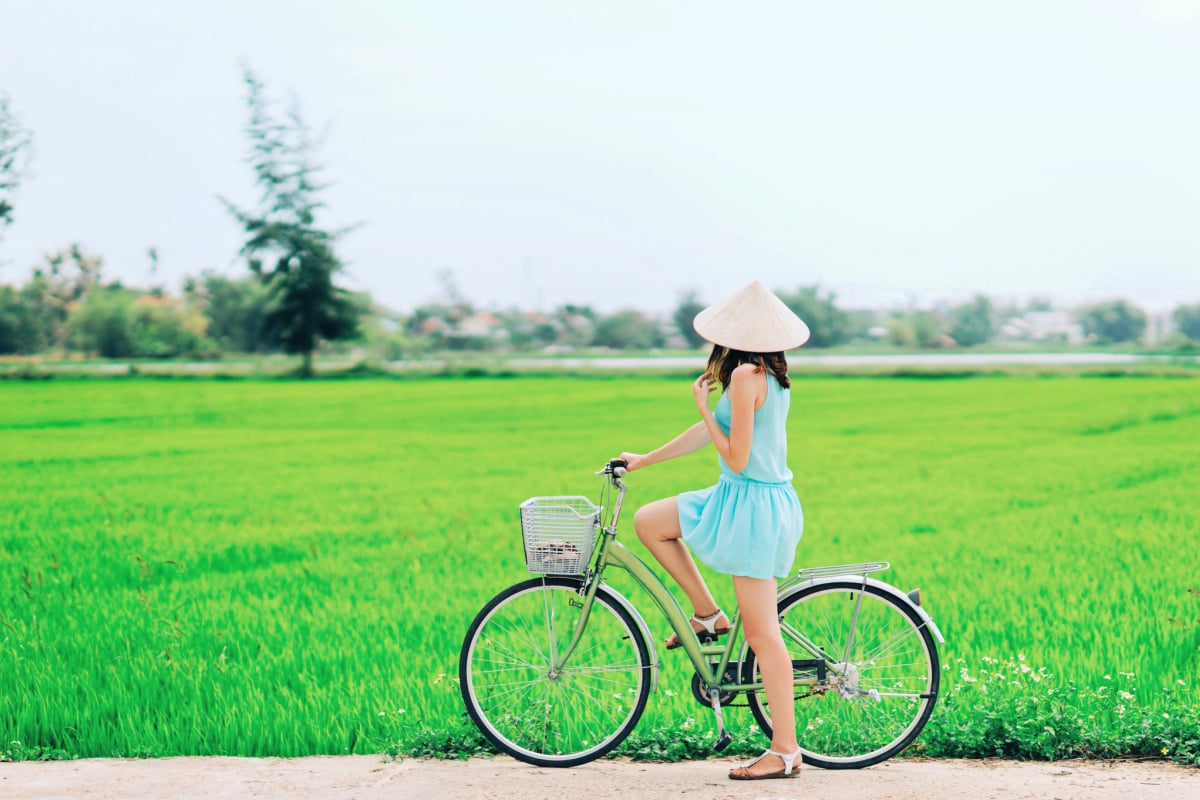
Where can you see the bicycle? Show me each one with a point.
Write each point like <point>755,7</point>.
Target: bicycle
<point>556,670</point>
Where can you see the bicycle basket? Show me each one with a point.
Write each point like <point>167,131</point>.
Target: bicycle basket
<point>559,534</point>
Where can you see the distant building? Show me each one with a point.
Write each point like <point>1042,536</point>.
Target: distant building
<point>1044,326</point>
<point>1159,326</point>
<point>434,325</point>
<point>479,324</point>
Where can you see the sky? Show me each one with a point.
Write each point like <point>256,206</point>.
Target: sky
<point>618,153</point>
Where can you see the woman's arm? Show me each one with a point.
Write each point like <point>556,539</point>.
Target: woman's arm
<point>689,441</point>
<point>744,388</point>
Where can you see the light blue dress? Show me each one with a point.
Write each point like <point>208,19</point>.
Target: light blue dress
<point>751,521</point>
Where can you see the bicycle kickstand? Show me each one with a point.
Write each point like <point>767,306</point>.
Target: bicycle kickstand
<point>723,737</point>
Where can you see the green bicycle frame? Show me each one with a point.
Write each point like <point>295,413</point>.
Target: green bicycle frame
<point>613,553</point>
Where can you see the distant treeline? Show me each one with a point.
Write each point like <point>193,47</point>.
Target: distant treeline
<point>68,307</point>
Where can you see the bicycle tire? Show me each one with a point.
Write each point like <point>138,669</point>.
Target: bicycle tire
<point>553,721</point>
<point>894,654</point>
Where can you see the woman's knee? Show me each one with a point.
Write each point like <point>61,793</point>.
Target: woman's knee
<point>761,623</point>
<point>656,521</point>
<point>765,642</point>
<point>644,524</point>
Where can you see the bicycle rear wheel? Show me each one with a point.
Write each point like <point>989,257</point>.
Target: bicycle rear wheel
<point>521,706</point>
<point>889,681</point>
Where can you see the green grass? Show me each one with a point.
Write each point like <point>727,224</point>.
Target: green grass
<point>287,568</point>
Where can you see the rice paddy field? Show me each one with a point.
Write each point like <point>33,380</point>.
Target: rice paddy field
<point>288,568</point>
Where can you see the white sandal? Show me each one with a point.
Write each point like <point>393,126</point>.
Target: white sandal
<point>709,632</point>
<point>790,770</point>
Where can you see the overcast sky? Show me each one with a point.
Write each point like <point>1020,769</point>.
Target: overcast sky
<point>617,152</point>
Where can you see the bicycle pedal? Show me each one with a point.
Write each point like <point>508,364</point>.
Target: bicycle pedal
<point>722,742</point>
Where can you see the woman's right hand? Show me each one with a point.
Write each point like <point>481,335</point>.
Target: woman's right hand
<point>701,389</point>
<point>633,461</point>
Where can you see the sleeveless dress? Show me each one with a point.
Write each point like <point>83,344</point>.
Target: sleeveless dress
<point>751,521</point>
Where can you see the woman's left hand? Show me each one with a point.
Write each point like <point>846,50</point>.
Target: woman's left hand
<point>703,386</point>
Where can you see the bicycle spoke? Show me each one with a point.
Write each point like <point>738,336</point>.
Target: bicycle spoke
<point>887,647</point>
<point>878,700</point>
<point>573,670</point>
<point>569,717</point>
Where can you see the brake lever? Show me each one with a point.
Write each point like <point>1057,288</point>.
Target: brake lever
<point>617,468</point>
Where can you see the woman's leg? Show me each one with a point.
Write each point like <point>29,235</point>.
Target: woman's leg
<point>657,525</point>
<point>760,618</point>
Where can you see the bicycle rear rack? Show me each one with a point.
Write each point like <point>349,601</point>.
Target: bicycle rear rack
<point>812,573</point>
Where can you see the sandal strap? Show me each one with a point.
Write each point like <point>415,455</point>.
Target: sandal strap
<point>789,760</point>
<point>709,623</point>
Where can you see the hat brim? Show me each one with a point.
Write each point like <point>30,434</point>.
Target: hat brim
<point>753,320</point>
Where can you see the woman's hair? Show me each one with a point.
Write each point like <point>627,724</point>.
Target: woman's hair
<point>724,360</point>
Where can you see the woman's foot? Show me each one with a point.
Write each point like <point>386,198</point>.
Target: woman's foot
<point>771,764</point>
<point>707,629</point>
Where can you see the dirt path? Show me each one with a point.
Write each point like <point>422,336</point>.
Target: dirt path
<point>369,777</point>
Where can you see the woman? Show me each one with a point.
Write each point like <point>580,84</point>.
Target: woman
<point>749,523</point>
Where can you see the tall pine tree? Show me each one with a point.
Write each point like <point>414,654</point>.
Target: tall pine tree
<point>16,147</point>
<point>284,246</point>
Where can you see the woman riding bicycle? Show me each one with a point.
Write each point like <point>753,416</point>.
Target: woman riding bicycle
<point>749,523</point>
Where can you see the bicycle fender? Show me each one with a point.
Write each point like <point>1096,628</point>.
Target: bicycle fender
<point>645,629</point>
<point>886,587</point>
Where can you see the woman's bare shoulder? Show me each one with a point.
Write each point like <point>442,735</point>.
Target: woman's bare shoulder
<point>744,371</point>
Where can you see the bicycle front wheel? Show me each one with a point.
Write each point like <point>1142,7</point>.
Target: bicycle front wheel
<point>877,696</point>
<point>539,715</point>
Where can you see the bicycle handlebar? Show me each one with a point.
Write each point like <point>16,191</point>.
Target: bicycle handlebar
<point>616,467</point>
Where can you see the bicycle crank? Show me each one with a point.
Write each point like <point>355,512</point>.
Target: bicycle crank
<point>700,688</point>
<point>723,737</point>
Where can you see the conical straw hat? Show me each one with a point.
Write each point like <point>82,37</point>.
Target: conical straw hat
<point>753,320</point>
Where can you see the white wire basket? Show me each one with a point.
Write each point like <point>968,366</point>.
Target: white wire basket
<point>559,534</point>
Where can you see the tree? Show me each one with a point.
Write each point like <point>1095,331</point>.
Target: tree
<point>1187,319</point>
<point>103,324</point>
<point>577,323</point>
<point>12,319</point>
<point>914,329</point>
<point>1113,321</point>
<point>16,148</point>
<point>234,309</point>
<point>165,327</point>
<point>63,280</point>
<point>972,322</point>
<point>829,325</point>
<point>22,329</point>
<point>689,306</point>
<point>628,330</point>
<point>927,331</point>
<point>284,246</point>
